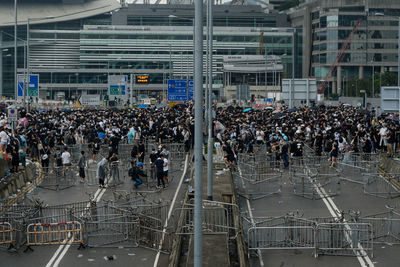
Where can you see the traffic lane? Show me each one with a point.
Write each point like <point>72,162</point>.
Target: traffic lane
<point>301,258</point>
<point>353,198</point>
<point>287,202</point>
<point>39,257</point>
<point>138,257</point>
<point>77,193</point>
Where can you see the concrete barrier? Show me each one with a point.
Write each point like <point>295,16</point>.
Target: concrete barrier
<point>16,181</point>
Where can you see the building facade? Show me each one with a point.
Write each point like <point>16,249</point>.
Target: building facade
<point>327,24</point>
<point>78,55</point>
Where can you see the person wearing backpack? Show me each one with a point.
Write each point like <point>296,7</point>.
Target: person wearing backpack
<point>135,172</point>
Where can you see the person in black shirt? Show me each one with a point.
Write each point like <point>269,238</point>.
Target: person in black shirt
<point>391,139</point>
<point>159,163</point>
<point>135,172</point>
<point>285,153</point>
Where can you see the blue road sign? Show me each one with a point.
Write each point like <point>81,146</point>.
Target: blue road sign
<point>117,85</point>
<point>33,85</point>
<point>180,90</point>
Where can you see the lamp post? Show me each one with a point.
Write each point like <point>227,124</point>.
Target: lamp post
<point>198,134</point>
<point>15,48</point>
<point>210,119</point>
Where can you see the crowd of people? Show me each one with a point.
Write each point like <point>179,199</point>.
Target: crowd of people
<point>330,131</point>
<point>43,135</point>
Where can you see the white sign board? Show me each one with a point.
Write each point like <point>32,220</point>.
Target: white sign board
<point>390,99</point>
<point>90,100</point>
<point>301,90</point>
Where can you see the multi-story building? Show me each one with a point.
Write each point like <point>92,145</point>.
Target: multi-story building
<point>77,51</point>
<point>327,24</point>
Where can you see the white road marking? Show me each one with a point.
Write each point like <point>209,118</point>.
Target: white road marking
<point>361,254</point>
<point>251,218</point>
<point>57,257</point>
<point>171,208</point>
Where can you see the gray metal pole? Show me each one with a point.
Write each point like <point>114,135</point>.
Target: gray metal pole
<point>293,69</point>
<point>210,119</point>
<point>373,79</point>
<point>131,98</point>
<point>27,59</point>
<point>198,135</point>
<point>15,48</point>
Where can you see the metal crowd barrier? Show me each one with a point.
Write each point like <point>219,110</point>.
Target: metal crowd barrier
<point>7,238</point>
<point>385,226</point>
<point>257,186</point>
<point>324,236</point>
<point>138,222</point>
<point>59,178</point>
<point>54,234</point>
<point>380,186</point>
<point>215,220</point>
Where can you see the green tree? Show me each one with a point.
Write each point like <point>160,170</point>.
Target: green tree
<point>288,4</point>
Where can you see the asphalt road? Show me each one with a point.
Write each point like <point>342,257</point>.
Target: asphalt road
<point>125,254</point>
<point>351,197</point>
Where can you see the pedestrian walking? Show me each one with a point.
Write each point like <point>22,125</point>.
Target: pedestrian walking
<point>159,163</point>
<point>81,165</point>
<point>102,172</point>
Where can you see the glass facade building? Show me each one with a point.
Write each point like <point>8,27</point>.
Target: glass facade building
<point>78,55</point>
<point>328,24</point>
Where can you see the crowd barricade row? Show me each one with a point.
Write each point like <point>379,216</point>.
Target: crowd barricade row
<point>324,236</point>
<point>59,178</point>
<point>7,237</point>
<point>385,226</point>
<point>39,234</point>
<point>379,185</point>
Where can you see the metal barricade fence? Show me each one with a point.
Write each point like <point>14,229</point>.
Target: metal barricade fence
<point>380,186</point>
<point>257,186</point>
<point>124,149</point>
<point>7,238</point>
<point>59,178</point>
<point>215,220</point>
<point>110,226</point>
<point>344,239</point>
<point>385,226</point>
<point>281,237</point>
<point>174,147</point>
<point>54,233</point>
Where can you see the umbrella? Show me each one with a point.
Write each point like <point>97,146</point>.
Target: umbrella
<point>101,135</point>
<point>269,108</point>
<point>278,116</point>
<point>292,109</point>
<point>230,108</point>
<point>142,106</point>
<point>247,110</point>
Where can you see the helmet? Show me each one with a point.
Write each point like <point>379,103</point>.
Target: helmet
<point>140,164</point>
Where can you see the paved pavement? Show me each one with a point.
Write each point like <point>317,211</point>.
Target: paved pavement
<point>126,255</point>
<point>351,198</point>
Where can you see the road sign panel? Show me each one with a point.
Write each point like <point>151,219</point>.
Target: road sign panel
<point>180,90</point>
<point>32,85</point>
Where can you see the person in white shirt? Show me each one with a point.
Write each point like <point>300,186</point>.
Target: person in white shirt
<point>165,169</point>
<point>66,157</point>
<point>382,134</point>
<point>4,138</point>
<point>259,136</point>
